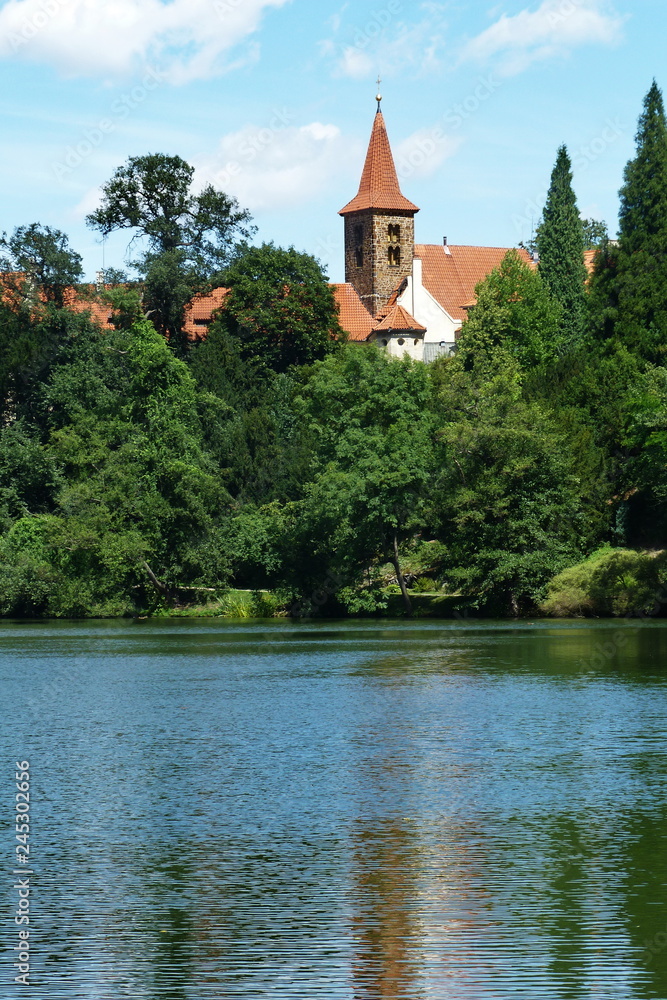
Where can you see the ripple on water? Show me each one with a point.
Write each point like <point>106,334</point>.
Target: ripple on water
<point>343,811</point>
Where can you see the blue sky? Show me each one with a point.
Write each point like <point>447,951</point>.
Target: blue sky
<point>273,101</point>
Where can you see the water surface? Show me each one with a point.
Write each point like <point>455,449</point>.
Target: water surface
<point>343,810</point>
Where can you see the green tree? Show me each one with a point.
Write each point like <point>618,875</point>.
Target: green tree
<point>139,507</point>
<point>508,499</point>
<point>595,233</point>
<point>365,492</point>
<point>369,496</point>
<point>560,244</point>
<point>42,261</point>
<point>188,236</point>
<point>280,310</point>
<point>629,298</point>
<point>514,311</point>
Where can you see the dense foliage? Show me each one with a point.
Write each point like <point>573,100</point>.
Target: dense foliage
<point>185,237</point>
<point>527,472</point>
<point>560,245</point>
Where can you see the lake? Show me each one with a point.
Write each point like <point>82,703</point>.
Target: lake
<point>343,810</point>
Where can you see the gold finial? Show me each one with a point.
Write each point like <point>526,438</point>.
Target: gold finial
<point>378,97</point>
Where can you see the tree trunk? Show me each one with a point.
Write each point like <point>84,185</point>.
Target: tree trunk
<point>161,588</point>
<point>399,576</point>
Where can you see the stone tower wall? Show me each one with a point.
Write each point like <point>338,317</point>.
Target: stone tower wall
<point>376,277</point>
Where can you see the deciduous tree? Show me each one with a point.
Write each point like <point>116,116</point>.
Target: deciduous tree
<point>42,261</point>
<point>187,236</point>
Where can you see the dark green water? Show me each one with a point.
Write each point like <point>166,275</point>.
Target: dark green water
<point>465,810</point>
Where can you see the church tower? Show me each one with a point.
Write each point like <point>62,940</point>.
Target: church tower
<point>379,225</point>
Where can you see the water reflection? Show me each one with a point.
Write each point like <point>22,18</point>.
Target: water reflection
<point>386,922</point>
<point>422,811</point>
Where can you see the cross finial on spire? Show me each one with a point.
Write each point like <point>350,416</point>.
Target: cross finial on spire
<point>379,95</point>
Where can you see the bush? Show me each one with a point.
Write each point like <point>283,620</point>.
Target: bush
<point>610,583</point>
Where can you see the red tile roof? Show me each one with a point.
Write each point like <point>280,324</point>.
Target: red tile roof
<point>399,319</point>
<point>353,315</point>
<point>379,187</point>
<point>451,273</point>
<point>199,313</point>
<point>80,300</point>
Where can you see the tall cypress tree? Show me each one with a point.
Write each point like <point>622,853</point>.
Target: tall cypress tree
<point>560,244</point>
<point>629,300</point>
<point>643,211</point>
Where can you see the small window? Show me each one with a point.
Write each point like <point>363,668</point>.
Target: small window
<point>384,343</point>
<point>393,233</point>
<point>400,342</point>
<point>394,256</point>
<point>416,341</point>
<point>359,245</point>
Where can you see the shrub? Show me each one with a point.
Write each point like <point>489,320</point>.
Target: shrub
<point>610,583</point>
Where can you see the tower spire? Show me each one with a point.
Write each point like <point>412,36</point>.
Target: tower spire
<point>379,93</point>
<point>379,187</point>
<point>379,225</point>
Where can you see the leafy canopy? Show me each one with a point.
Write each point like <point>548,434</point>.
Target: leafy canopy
<point>188,236</point>
<point>280,310</point>
<point>514,312</point>
<point>41,256</point>
<point>153,195</point>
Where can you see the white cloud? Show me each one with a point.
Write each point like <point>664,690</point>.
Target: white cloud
<point>354,63</point>
<point>185,39</point>
<point>279,165</point>
<point>423,152</point>
<point>553,30</point>
<point>384,42</point>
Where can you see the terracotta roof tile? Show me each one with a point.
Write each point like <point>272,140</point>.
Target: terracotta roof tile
<point>199,313</point>
<point>391,301</point>
<point>400,319</point>
<point>79,300</point>
<point>353,315</point>
<point>452,273</point>
<point>379,187</point>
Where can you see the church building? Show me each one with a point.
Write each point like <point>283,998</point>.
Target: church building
<point>409,298</point>
<point>406,297</point>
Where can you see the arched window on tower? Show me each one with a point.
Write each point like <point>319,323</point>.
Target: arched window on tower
<point>394,256</point>
<point>359,246</point>
<point>393,233</point>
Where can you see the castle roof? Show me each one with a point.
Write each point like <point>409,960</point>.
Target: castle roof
<point>399,318</point>
<point>353,315</point>
<point>451,273</point>
<point>199,313</point>
<point>379,187</point>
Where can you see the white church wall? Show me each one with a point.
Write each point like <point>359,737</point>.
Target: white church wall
<point>440,326</point>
